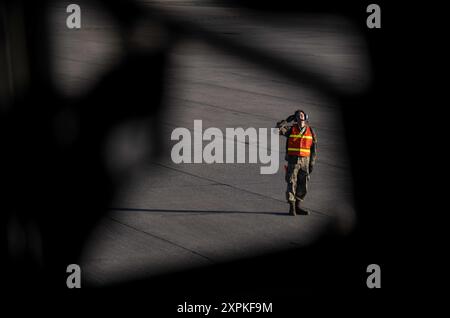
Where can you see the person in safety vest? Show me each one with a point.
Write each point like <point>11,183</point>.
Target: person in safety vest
<point>301,153</point>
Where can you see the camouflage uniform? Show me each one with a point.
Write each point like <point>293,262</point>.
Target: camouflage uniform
<point>299,168</point>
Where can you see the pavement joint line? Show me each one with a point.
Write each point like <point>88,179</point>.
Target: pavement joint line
<point>233,187</point>
<point>186,186</point>
<point>162,239</point>
<point>106,64</point>
<point>256,93</point>
<point>272,80</point>
<point>220,107</point>
<point>246,113</point>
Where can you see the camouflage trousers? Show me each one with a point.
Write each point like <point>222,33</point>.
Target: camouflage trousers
<point>297,177</point>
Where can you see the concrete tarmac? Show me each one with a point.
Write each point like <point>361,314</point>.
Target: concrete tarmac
<point>169,217</point>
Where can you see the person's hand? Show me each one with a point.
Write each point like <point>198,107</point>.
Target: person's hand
<point>290,118</point>
<point>281,123</point>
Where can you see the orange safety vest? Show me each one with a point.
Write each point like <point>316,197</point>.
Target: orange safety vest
<point>300,145</point>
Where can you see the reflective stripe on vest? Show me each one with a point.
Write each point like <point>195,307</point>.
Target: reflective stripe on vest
<point>300,144</point>
<point>298,136</point>
<point>300,149</point>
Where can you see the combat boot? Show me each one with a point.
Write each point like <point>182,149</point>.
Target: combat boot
<point>292,208</point>
<point>299,210</point>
